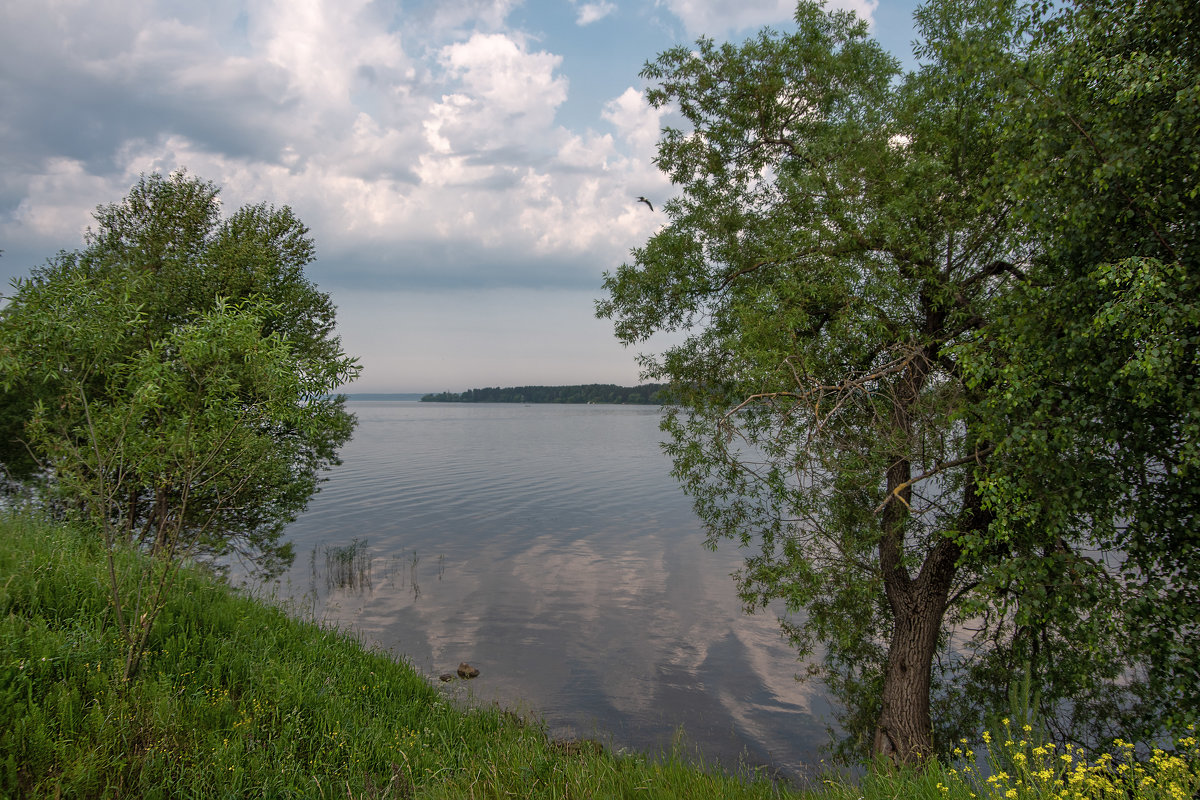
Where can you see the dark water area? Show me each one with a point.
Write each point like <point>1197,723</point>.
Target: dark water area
<point>548,546</point>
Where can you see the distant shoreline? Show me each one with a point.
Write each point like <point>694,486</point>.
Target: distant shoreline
<point>598,393</point>
<point>409,396</point>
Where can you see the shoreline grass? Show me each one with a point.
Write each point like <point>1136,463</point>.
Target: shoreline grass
<point>235,698</point>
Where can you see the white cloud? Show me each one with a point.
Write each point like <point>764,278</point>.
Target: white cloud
<point>58,203</point>
<point>719,17</point>
<point>498,73</point>
<point>636,122</point>
<point>437,19</point>
<point>593,12</point>
<point>591,152</point>
<point>324,46</point>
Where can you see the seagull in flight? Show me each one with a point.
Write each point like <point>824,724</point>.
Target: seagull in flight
<point>644,200</point>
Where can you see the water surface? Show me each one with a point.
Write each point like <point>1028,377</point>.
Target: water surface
<point>548,546</point>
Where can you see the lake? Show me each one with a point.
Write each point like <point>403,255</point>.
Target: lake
<point>548,546</point>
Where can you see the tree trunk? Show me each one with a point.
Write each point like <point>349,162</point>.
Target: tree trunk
<point>904,733</point>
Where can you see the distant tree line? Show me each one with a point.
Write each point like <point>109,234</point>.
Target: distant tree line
<point>647,394</point>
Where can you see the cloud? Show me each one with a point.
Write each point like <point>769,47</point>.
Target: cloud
<point>435,148</point>
<point>593,12</point>
<point>507,94</point>
<point>635,120</point>
<point>56,205</point>
<point>720,17</point>
<point>417,163</point>
<point>439,19</point>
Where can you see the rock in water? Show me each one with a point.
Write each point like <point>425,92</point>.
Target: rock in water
<point>446,677</point>
<point>465,670</point>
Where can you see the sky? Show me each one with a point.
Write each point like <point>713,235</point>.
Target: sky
<point>468,168</point>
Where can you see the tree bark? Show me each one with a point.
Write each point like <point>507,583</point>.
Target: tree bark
<point>904,733</point>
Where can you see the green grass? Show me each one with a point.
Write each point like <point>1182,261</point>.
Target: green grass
<point>235,699</point>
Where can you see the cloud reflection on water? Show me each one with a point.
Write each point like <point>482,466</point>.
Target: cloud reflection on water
<point>553,551</point>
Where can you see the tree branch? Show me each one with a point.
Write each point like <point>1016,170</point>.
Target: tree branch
<point>958,462</point>
<point>996,267</point>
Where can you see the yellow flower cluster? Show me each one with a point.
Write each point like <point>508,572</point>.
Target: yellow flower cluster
<point>250,712</point>
<point>217,696</point>
<point>407,740</point>
<point>1039,772</point>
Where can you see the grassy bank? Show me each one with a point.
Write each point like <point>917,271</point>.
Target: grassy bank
<point>236,699</point>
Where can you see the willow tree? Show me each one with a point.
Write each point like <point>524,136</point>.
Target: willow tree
<point>837,231</point>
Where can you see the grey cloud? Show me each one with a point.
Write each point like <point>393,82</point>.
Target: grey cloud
<point>499,181</point>
<point>510,156</point>
<point>87,111</point>
<point>407,266</point>
<point>85,92</point>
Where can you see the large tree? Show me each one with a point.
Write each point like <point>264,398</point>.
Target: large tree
<point>160,272</point>
<point>838,229</point>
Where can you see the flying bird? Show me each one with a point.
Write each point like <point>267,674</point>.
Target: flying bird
<point>644,200</point>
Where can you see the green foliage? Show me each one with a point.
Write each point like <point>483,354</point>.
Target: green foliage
<point>942,355</point>
<point>177,422</point>
<point>1091,375</point>
<point>177,319</point>
<point>838,229</point>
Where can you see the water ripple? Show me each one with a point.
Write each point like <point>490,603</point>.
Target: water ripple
<point>549,546</point>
